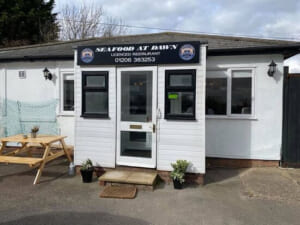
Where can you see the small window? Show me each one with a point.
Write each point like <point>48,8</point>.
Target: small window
<point>95,94</point>
<point>178,80</point>
<point>95,81</point>
<point>68,92</point>
<point>180,94</point>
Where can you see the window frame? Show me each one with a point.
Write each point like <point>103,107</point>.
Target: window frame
<point>168,88</point>
<point>63,74</point>
<point>84,89</point>
<point>228,74</point>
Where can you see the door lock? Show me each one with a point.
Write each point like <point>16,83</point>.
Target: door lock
<point>153,128</point>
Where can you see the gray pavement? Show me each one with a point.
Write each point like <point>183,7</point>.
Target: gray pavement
<point>250,196</point>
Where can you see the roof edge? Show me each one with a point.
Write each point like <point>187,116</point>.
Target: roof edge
<point>266,40</point>
<point>39,58</point>
<point>144,43</point>
<point>287,51</point>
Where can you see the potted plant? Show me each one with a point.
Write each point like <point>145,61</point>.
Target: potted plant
<point>87,170</point>
<point>34,131</point>
<point>178,173</point>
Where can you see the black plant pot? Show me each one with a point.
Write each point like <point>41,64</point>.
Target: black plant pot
<point>177,184</point>
<point>87,175</point>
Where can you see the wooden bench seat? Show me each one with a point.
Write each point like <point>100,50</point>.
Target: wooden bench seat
<point>45,141</point>
<point>20,160</point>
<point>53,146</point>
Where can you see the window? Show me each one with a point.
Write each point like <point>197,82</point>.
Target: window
<point>241,92</point>
<point>68,93</point>
<point>180,94</point>
<point>95,94</point>
<point>229,93</point>
<point>216,94</point>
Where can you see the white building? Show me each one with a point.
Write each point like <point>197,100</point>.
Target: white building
<point>148,100</point>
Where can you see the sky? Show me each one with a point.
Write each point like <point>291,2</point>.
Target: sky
<point>278,19</point>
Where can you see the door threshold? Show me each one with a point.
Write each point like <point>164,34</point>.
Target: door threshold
<point>135,168</point>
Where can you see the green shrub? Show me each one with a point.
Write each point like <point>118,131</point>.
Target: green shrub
<point>35,129</point>
<point>87,165</point>
<point>179,169</point>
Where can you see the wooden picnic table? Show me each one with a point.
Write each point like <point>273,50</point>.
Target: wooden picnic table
<point>45,141</point>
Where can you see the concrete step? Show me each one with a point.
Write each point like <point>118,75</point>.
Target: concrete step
<point>123,177</point>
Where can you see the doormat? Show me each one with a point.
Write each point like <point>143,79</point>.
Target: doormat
<point>123,192</point>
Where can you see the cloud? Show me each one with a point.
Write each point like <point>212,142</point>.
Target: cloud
<point>260,18</point>
<point>266,18</point>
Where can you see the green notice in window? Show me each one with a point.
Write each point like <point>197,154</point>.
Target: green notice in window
<point>172,96</point>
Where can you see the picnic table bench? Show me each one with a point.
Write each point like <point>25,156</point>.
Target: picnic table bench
<point>45,141</point>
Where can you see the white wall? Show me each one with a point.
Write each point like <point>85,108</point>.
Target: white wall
<point>256,138</point>
<point>259,137</point>
<point>2,83</point>
<point>95,138</point>
<point>2,97</point>
<point>293,63</point>
<point>34,88</point>
<point>181,139</point>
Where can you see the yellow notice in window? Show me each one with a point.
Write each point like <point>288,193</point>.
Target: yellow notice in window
<point>172,96</point>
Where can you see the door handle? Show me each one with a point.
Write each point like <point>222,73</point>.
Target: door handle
<point>153,128</point>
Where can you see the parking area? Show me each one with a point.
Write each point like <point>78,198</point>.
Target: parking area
<point>245,196</point>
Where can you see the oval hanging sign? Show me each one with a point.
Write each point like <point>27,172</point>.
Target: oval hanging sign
<point>87,55</point>
<point>187,52</point>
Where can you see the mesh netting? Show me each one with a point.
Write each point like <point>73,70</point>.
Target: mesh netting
<point>19,117</point>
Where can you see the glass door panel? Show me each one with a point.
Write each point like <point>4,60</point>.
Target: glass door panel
<point>136,144</point>
<point>136,94</point>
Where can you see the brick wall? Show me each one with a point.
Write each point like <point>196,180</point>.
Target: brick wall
<point>239,163</point>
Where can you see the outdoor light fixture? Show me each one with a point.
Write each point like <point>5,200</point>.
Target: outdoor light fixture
<point>47,74</point>
<point>272,68</point>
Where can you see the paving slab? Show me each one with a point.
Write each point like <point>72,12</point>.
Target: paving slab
<point>272,184</point>
<point>145,178</point>
<point>130,177</point>
<point>114,176</point>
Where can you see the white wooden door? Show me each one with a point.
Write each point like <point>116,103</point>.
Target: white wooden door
<point>136,116</point>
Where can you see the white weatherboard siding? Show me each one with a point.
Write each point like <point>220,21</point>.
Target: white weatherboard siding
<point>67,127</point>
<point>2,83</point>
<point>95,138</point>
<point>259,137</point>
<point>181,139</point>
<point>34,88</point>
<point>176,139</point>
<point>2,96</point>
